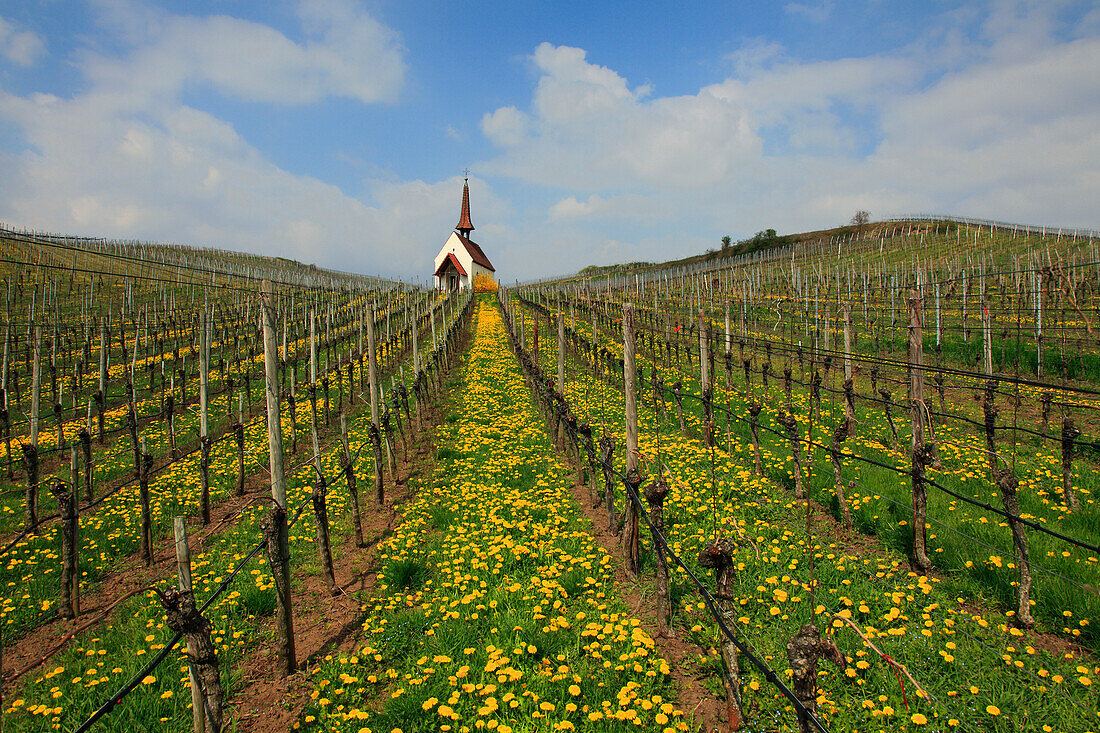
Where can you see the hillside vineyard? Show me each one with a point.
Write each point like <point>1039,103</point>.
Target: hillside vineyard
<point>846,483</point>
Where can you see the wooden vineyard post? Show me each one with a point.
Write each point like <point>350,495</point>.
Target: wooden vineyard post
<point>293,406</point>
<point>275,529</point>
<point>146,514</point>
<point>989,415</point>
<point>375,428</point>
<point>920,454</point>
<point>987,337</point>
<point>204,375</point>
<point>1038,331</point>
<point>631,549</point>
<point>313,426</point>
<point>522,330</point>
<point>847,313</point>
<point>705,377</point>
<point>535,336</point>
<point>561,353</point>
<point>312,346</point>
<point>416,367</point>
<point>70,577</point>
<point>729,342</point>
<point>348,466</point>
<point>204,434</point>
<point>238,435</point>
<point>31,456</point>
<point>202,658</point>
<point>655,495</point>
<point>101,394</point>
<point>183,568</point>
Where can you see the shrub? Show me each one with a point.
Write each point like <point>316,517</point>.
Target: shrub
<point>484,283</point>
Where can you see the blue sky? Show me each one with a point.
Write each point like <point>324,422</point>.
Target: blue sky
<point>336,132</point>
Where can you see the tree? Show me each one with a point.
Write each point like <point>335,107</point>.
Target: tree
<point>727,242</point>
<point>861,217</point>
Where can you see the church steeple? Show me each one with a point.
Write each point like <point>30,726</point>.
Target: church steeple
<point>465,226</point>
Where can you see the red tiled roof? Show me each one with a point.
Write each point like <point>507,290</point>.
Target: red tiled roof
<point>454,261</point>
<point>475,253</point>
<point>464,223</point>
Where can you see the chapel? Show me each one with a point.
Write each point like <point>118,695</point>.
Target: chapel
<point>460,259</point>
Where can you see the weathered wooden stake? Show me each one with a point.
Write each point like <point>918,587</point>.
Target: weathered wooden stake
<point>375,431</point>
<point>630,531</point>
<point>275,529</point>
<point>183,617</point>
<point>920,453</point>
<point>146,514</point>
<point>183,567</point>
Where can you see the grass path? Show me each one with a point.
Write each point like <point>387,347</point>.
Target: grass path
<point>497,610</point>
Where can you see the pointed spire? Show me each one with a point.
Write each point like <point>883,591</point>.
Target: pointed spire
<point>465,226</point>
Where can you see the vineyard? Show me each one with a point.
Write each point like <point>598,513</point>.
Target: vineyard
<point>848,484</point>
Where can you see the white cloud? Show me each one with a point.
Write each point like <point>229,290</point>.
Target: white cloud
<point>814,12</point>
<point>347,54</point>
<point>20,47</point>
<point>506,126</point>
<point>633,208</point>
<point>127,158</point>
<point>993,125</point>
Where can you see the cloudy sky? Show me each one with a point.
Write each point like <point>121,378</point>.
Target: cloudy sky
<point>336,132</point>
